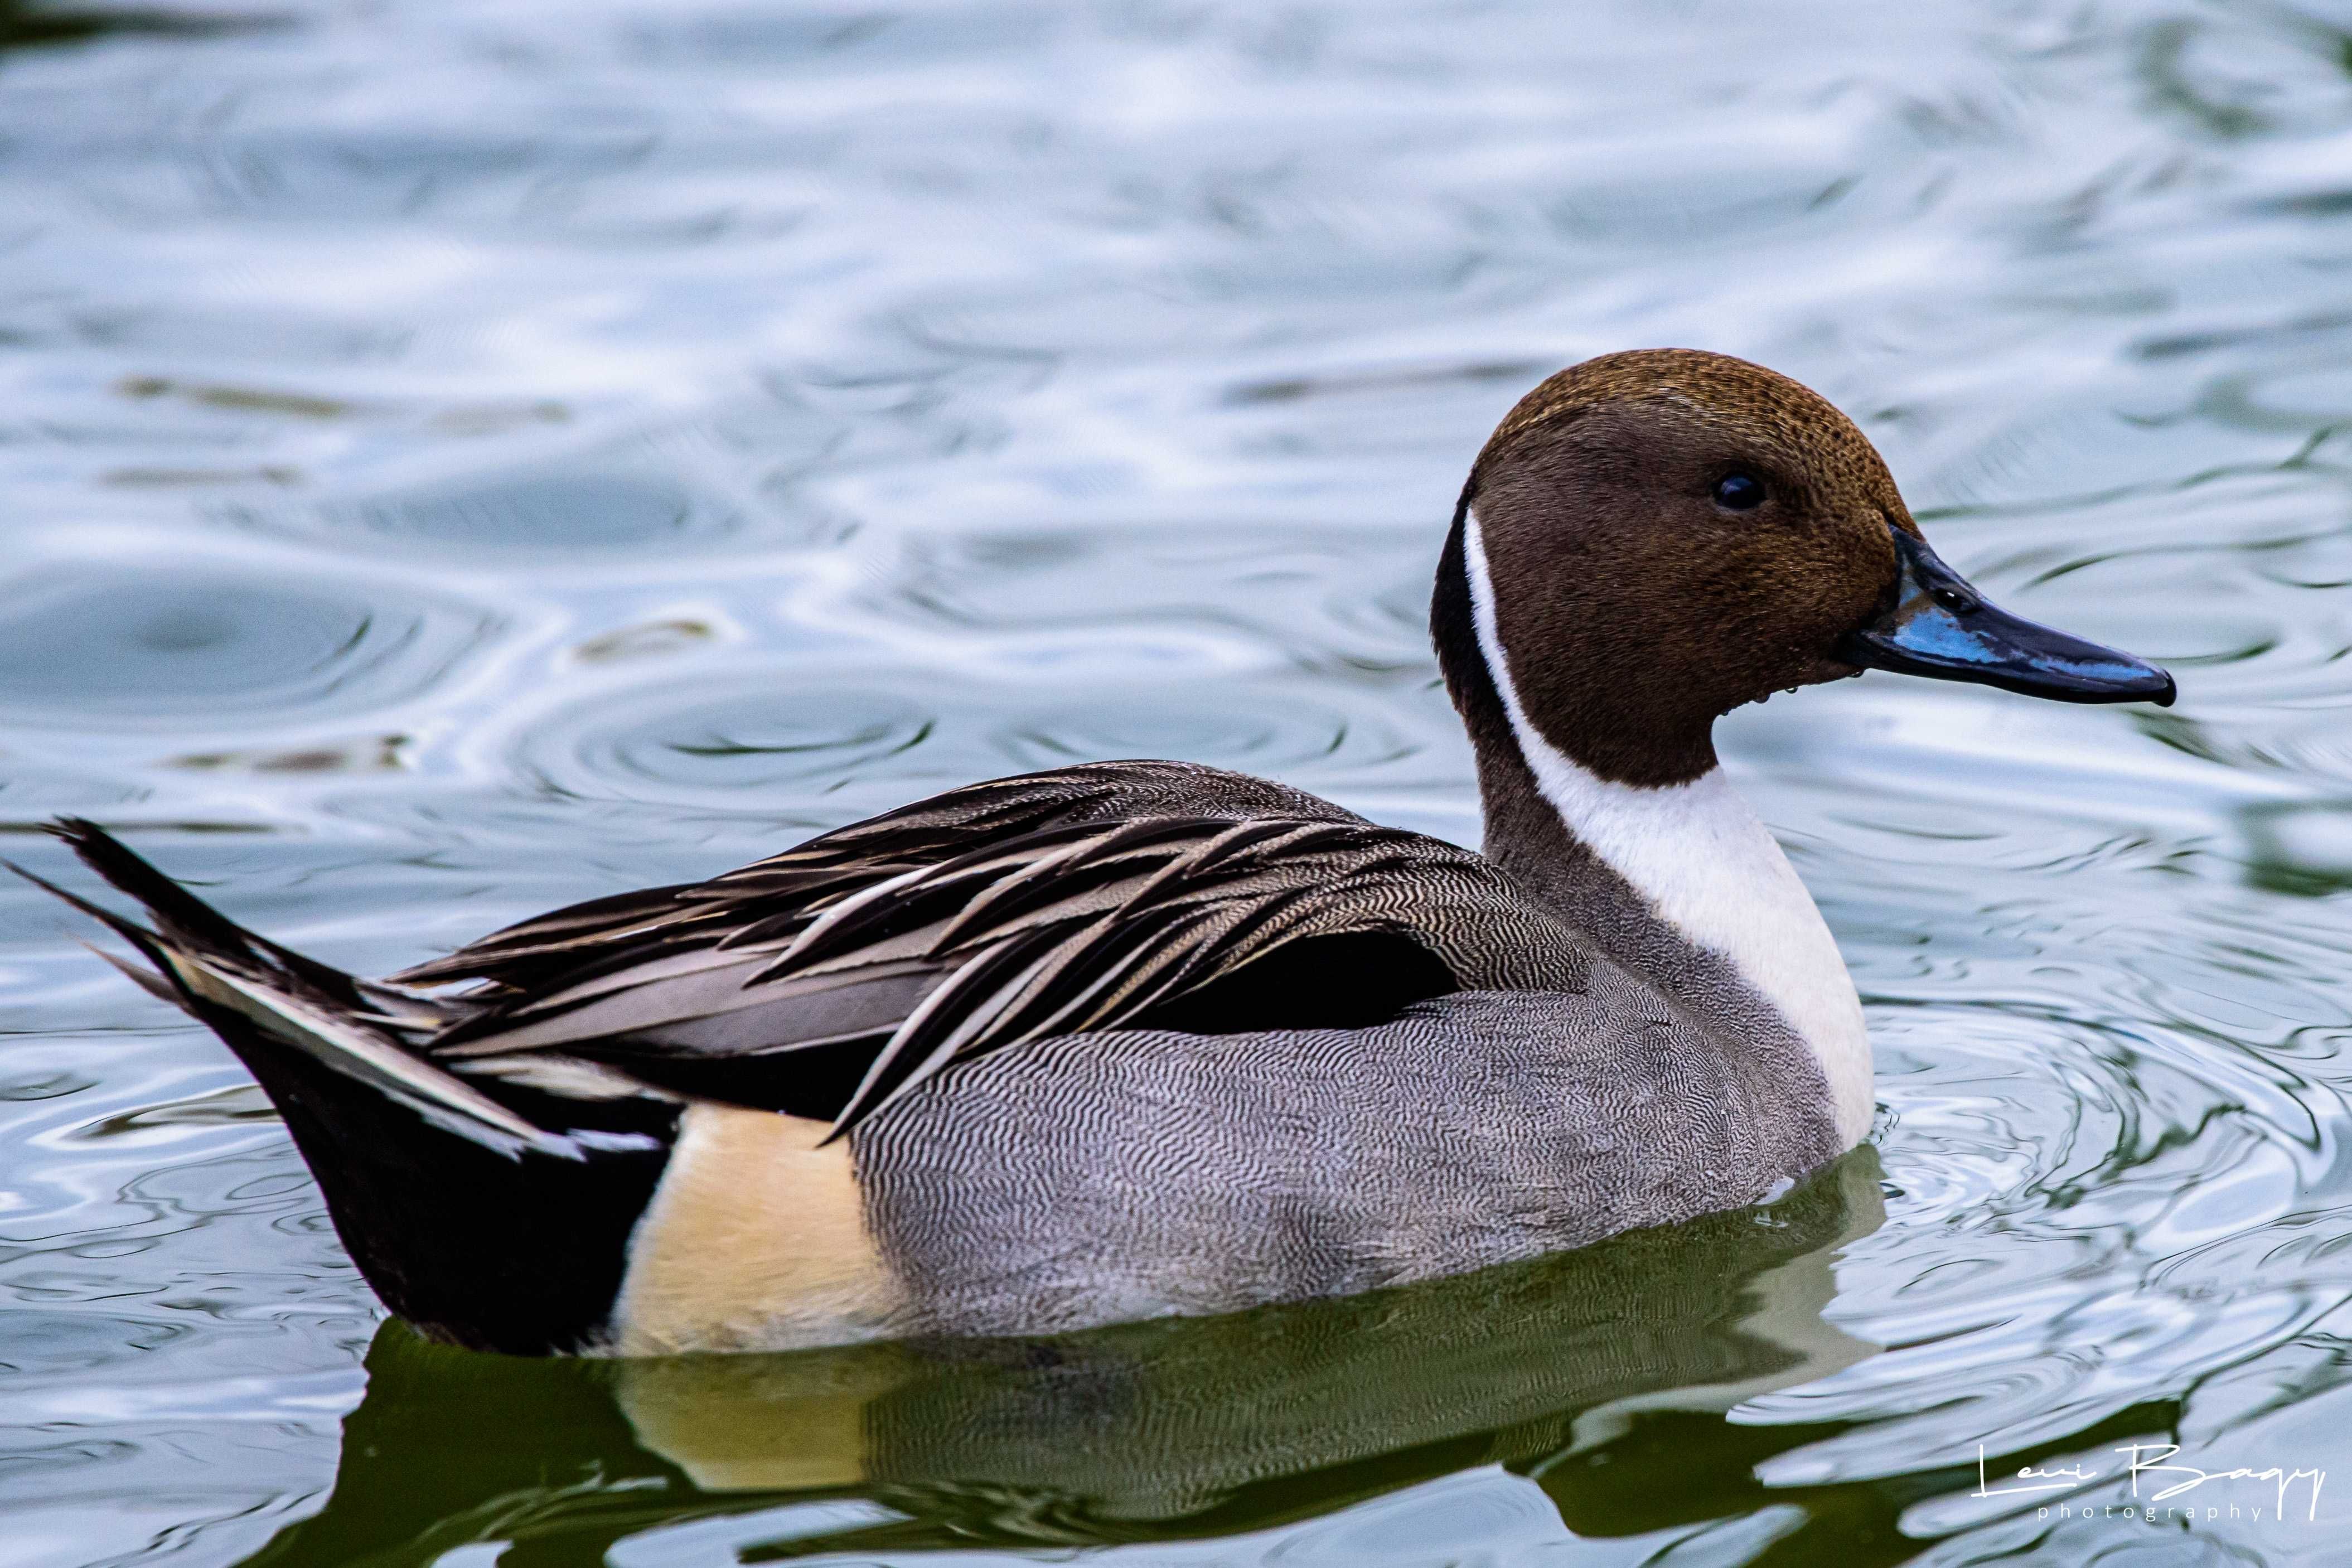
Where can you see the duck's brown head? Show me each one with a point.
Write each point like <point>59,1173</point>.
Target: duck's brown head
<point>1650,540</point>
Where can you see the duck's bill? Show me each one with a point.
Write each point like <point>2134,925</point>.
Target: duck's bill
<point>1943,629</point>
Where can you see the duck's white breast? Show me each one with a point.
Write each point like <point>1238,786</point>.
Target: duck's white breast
<point>1709,866</point>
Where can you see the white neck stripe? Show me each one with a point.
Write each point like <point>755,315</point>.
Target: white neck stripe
<point>1709,866</point>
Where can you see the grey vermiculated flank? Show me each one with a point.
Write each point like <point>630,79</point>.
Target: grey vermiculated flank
<point>1092,1179</point>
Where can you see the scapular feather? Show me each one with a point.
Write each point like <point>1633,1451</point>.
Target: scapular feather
<point>1058,903</point>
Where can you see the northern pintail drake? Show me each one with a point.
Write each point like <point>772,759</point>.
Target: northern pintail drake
<point>1144,1038</point>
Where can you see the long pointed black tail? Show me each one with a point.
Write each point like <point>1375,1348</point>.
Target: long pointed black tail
<point>494,1219</point>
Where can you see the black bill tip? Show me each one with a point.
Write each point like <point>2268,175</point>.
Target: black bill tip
<point>1941,627</point>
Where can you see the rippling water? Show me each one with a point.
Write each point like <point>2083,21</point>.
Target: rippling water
<point>461,459</point>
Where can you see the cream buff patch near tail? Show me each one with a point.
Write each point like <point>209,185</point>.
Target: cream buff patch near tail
<point>755,1241</point>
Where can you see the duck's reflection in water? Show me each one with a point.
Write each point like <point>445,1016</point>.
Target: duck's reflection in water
<point>1150,1431</point>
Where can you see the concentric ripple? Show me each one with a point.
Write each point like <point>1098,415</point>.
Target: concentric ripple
<point>776,741</point>
<point>109,644</point>
<point>557,511</point>
<point>806,743</point>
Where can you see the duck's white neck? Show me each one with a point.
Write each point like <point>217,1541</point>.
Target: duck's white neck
<point>1708,867</point>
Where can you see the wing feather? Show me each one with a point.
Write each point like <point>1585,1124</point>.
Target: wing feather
<point>1064,902</point>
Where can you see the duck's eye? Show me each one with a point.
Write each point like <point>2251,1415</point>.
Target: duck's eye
<point>1740,492</point>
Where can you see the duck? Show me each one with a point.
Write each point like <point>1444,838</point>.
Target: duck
<point>1144,1038</point>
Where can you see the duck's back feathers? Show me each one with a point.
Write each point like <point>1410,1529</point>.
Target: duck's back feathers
<point>827,980</point>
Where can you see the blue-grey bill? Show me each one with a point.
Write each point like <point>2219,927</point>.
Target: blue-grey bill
<point>1943,629</point>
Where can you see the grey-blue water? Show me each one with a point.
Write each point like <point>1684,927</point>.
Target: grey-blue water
<point>458,458</point>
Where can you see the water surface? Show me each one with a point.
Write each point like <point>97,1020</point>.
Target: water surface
<point>464,458</point>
